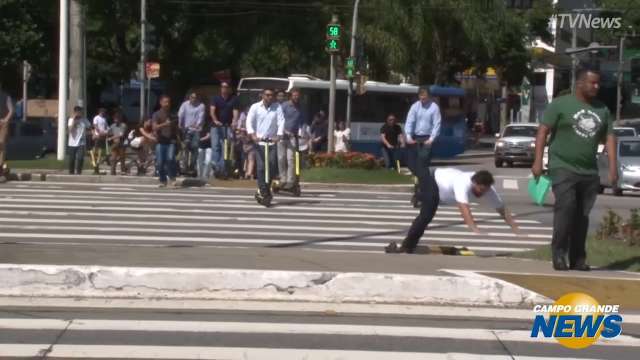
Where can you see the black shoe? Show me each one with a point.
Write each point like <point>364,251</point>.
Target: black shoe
<point>580,265</point>
<point>559,263</point>
<point>393,248</point>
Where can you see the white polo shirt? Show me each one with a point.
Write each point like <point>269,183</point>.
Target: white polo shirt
<point>456,187</point>
<point>100,125</point>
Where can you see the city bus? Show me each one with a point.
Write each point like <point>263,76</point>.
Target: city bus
<point>370,109</point>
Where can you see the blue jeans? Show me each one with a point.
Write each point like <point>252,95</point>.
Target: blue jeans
<point>191,144</point>
<point>76,159</point>
<point>166,161</point>
<point>218,135</point>
<point>390,157</point>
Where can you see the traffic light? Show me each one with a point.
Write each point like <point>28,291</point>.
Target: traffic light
<point>332,38</point>
<point>349,67</point>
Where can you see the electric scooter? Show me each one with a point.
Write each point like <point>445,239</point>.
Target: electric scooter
<point>295,189</point>
<point>265,199</point>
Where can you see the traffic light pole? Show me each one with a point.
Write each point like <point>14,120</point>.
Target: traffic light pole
<point>620,75</point>
<point>63,78</point>
<point>332,104</point>
<point>352,54</point>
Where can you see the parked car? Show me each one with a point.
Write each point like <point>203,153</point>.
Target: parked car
<point>30,140</point>
<point>628,166</point>
<point>624,131</point>
<point>517,144</point>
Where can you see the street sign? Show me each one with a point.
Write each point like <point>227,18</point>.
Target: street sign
<point>152,70</point>
<point>349,67</point>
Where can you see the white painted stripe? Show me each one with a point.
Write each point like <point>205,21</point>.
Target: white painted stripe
<point>294,328</point>
<point>510,184</point>
<point>228,353</point>
<point>176,239</point>
<point>213,196</point>
<point>273,211</point>
<point>169,305</point>
<point>243,226</point>
<point>301,236</point>
<point>115,188</point>
<point>204,195</point>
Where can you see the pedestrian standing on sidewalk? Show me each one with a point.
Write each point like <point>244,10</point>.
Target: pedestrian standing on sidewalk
<point>421,130</point>
<point>224,111</point>
<point>99,138</point>
<point>191,119</point>
<point>6,114</point>
<point>116,137</point>
<point>166,130</point>
<point>578,123</point>
<point>451,186</point>
<point>281,96</point>
<point>319,132</point>
<point>288,145</point>
<point>342,137</point>
<point>265,125</point>
<point>78,128</point>
<point>392,139</point>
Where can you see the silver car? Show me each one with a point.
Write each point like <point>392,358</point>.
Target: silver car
<point>628,166</point>
<point>517,144</point>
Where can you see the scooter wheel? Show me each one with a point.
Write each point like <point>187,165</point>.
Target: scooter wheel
<point>258,198</point>
<point>415,202</point>
<point>296,191</point>
<point>275,188</point>
<point>266,201</point>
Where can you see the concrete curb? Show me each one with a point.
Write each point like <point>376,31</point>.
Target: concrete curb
<point>259,285</point>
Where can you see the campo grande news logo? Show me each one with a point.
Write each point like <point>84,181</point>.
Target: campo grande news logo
<point>577,321</point>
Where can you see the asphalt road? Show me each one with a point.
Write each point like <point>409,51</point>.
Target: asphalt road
<point>266,331</point>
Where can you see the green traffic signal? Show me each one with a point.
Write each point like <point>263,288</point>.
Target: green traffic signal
<point>333,45</point>
<point>333,31</point>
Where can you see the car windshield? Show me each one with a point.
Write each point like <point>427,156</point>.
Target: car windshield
<point>630,148</point>
<point>528,131</point>
<point>624,132</point>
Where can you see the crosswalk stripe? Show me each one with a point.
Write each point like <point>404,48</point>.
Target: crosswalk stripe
<point>283,220</point>
<point>248,226</point>
<point>297,235</point>
<point>224,204</point>
<point>231,212</point>
<point>338,243</point>
<point>293,328</point>
<point>230,353</point>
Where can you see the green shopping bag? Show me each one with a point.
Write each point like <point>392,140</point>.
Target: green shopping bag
<point>538,189</point>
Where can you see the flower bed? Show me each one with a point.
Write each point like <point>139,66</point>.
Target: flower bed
<point>349,160</point>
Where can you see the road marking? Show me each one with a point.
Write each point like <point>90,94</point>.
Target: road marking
<point>510,184</point>
<point>226,212</point>
<point>117,189</point>
<point>191,352</point>
<point>294,328</point>
<point>245,226</point>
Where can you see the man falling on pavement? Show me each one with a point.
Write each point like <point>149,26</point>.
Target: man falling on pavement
<point>451,186</point>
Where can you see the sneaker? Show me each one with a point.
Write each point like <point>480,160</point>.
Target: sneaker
<point>560,263</point>
<point>580,265</point>
<point>393,248</point>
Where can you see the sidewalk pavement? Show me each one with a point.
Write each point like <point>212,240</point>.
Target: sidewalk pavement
<point>298,275</point>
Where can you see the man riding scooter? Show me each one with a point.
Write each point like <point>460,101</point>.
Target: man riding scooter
<point>288,147</point>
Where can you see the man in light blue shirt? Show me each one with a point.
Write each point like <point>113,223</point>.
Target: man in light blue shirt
<point>421,130</point>
<point>265,125</point>
<point>190,120</point>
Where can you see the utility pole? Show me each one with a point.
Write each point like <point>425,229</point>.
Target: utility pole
<point>26,74</point>
<point>63,77</point>
<point>352,54</point>
<point>332,47</point>
<point>620,75</point>
<point>76,56</point>
<point>143,56</point>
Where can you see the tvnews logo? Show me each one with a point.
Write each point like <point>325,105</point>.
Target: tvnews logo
<point>577,321</point>
<point>588,21</point>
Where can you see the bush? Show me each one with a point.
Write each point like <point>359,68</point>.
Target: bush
<point>349,160</point>
<point>613,227</point>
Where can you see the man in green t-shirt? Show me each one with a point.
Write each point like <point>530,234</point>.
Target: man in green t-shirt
<point>578,124</point>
